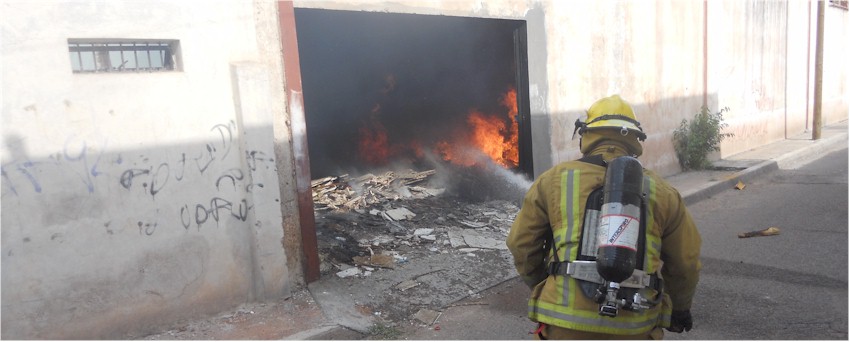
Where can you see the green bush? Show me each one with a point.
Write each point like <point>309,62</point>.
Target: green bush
<point>694,140</point>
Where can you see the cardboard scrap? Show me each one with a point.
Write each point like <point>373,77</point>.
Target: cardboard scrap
<point>428,191</point>
<point>348,272</point>
<point>740,185</point>
<point>475,240</point>
<point>407,284</point>
<point>399,214</point>
<point>341,193</point>
<point>377,260</point>
<point>764,232</point>
<point>427,316</point>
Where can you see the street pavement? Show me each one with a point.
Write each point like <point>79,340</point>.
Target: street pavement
<point>789,286</point>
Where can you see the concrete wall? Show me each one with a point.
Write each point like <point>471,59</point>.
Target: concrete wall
<point>746,54</point>
<point>761,61</point>
<point>648,52</point>
<point>836,74</point>
<point>130,200</point>
<point>668,58</point>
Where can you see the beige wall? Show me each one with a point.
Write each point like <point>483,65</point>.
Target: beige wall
<point>762,66</point>
<point>130,200</point>
<point>836,87</point>
<point>90,252</point>
<point>648,52</point>
<point>747,68</point>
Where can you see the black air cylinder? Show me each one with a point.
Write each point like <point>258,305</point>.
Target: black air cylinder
<point>619,224</point>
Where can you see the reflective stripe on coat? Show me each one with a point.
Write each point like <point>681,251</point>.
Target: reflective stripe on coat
<point>557,201</point>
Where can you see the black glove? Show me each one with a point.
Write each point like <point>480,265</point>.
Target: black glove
<point>681,320</point>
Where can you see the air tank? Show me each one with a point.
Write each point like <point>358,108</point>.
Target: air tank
<point>619,226</point>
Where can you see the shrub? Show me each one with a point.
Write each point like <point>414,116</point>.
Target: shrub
<point>694,140</point>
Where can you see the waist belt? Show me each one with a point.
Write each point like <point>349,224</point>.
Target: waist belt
<point>586,270</point>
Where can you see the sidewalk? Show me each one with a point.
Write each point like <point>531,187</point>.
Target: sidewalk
<point>789,153</point>
<point>331,311</point>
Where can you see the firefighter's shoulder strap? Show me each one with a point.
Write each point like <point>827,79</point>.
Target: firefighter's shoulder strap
<point>595,200</point>
<point>595,159</point>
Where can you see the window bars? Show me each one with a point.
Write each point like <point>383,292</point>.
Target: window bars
<point>99,55</point>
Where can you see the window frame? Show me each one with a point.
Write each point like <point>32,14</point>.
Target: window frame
<point>842,4</point>
<point>104,55</point>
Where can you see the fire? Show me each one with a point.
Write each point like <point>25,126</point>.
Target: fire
<point>511,154</point>
<point>373,145</point>
<point>495,136</point>
<point>490,135</point>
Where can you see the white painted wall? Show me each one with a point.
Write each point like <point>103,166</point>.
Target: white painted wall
<point>133,199</point>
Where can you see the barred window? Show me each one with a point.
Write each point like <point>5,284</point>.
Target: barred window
<point>839,3</point>
<point>123,55</point>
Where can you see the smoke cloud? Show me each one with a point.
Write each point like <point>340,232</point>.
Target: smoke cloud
<point>415,76</point>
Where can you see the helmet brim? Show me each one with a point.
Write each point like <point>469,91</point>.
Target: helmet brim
<point>614,124</point>
<point>617,125</point>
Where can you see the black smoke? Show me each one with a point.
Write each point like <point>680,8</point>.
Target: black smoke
<point>418,75</point>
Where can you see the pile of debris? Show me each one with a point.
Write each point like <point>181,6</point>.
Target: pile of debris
<point>355,243</point>
<point>340,193</point>
<point>378,222</point>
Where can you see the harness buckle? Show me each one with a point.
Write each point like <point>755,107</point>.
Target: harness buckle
<point>586,270</point>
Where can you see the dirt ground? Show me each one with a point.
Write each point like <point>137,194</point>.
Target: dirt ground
<point>254,321</point>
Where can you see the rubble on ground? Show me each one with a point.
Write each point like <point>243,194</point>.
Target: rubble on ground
<point>371,223</point>
<point>343,193</point>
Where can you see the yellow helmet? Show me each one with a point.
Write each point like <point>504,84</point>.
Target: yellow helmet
<point>611,113</point>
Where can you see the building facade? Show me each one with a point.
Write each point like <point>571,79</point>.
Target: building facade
<point>155,164</point>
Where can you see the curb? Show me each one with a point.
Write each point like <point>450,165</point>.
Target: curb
<point>811,153</point>
<point>326,332</point>
<point>798,157</point>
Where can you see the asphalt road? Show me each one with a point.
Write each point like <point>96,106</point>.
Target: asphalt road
<point>784,287</point>
<point>789,286</point>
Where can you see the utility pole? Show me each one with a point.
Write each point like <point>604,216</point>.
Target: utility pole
<point>817,119</point>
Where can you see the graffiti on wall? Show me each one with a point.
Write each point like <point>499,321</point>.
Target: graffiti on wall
<point>91,170</point>
<point>76,157</point>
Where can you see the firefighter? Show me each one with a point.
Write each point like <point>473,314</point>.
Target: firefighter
<point>548,230</point>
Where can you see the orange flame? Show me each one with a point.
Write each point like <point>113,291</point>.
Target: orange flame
<point>511,155</point>
<point>488,134</point>
<point>373,146</point>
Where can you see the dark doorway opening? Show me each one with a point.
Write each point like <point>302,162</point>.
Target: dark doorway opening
<point>383,89</point>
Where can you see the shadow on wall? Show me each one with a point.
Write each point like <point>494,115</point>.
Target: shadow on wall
<point>85,167</point>
<point>659,118</point>
<point>101,243</point>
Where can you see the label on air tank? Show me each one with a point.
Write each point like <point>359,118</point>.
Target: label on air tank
<point>618,230</point>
